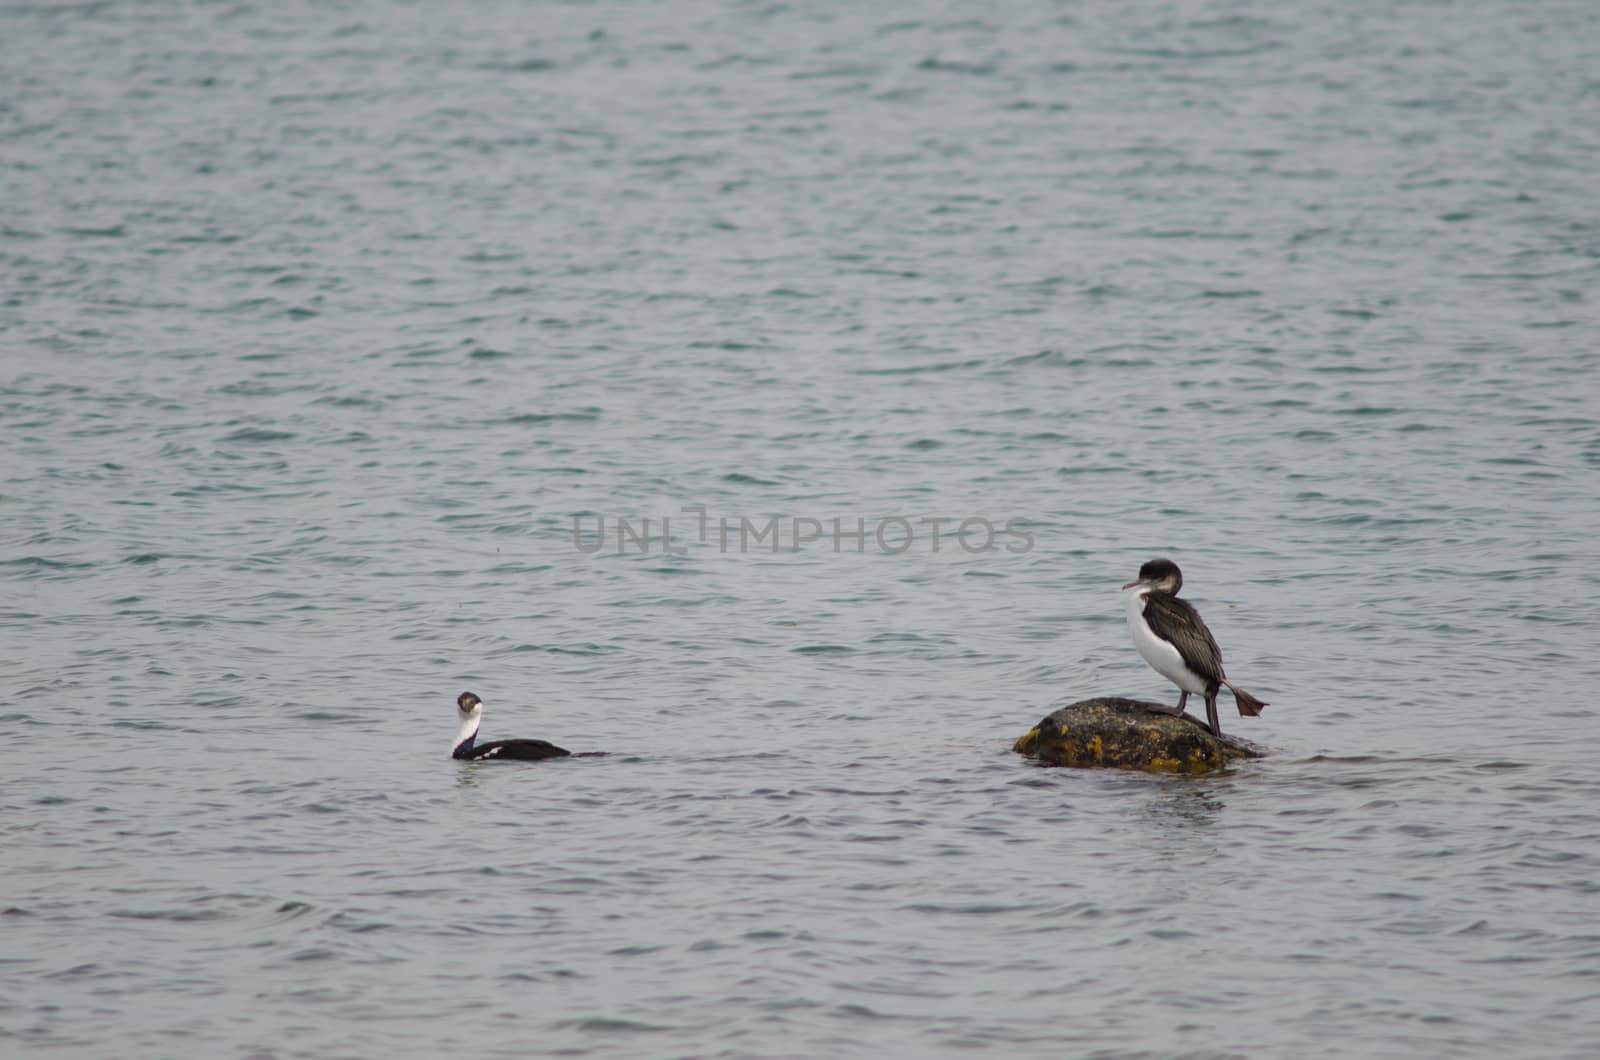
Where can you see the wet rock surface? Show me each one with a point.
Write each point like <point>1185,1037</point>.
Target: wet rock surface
<point>1116,733</point>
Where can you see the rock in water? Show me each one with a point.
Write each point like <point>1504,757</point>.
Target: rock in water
<point>1118,733</point>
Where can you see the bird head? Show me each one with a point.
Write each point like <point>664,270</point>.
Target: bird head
<point>1159,575</point>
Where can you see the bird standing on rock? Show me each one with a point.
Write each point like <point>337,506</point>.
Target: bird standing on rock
<point>1172,638</point>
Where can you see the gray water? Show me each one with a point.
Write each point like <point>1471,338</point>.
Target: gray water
<point>324,325</point>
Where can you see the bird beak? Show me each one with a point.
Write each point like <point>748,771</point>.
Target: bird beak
<point>1130,585</point>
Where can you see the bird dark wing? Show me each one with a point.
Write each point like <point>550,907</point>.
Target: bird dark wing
<point>1173,620</point>
<point>521,750</point>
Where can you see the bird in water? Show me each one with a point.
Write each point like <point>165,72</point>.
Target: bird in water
<point>470,709</point>
<point>1170,635</point>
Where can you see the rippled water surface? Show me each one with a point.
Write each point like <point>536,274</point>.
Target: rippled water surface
<point>323,325</point>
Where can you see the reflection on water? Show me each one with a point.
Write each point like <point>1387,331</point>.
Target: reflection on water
<point>1187,804</point>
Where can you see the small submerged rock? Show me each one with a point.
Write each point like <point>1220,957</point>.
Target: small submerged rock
<point>1115,733</point>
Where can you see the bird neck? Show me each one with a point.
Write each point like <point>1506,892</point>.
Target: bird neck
<point>467,734</point>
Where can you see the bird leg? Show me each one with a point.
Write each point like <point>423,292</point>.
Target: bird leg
<point>1177,711</point>
<point>1211,713</point>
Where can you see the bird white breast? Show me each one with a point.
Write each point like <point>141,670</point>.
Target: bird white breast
<point>1160,654</point>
